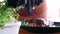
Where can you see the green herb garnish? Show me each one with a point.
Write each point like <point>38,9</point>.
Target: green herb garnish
<point>7,14</point>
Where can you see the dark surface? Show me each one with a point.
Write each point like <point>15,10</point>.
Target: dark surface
<point>23,31</point>
<point>57,23</point>
<point>41,29</point>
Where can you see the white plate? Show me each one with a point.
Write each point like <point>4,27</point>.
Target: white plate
<point>11,28</point>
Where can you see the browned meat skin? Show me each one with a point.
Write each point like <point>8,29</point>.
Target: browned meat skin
<point>38,12</point>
